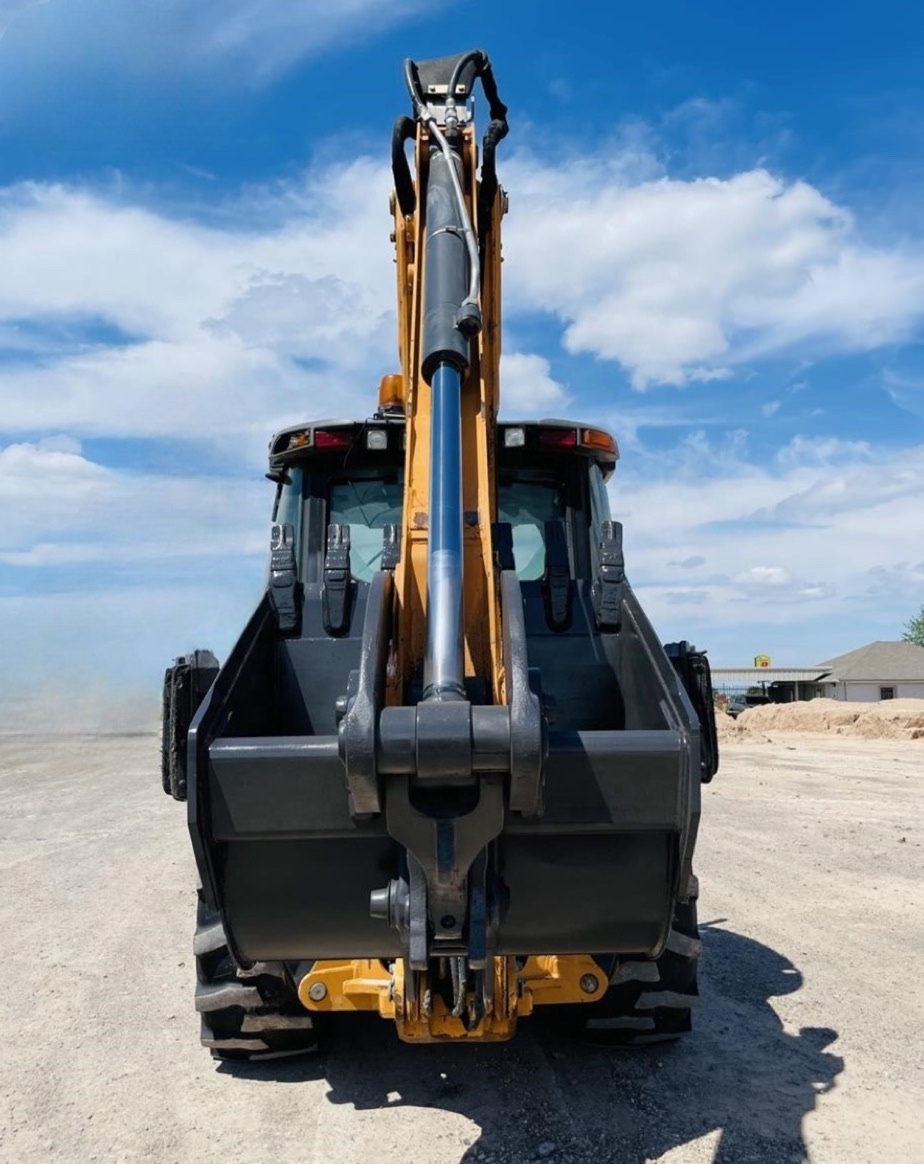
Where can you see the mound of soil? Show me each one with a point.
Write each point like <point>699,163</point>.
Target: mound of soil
<point>890,719</point>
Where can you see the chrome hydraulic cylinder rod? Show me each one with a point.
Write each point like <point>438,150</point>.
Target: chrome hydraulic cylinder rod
<point>444,669</point>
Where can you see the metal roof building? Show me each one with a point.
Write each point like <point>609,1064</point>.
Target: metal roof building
<point>751,676</point>
<point>880,670</point>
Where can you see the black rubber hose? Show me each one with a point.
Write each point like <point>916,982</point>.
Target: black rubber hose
<point>485,72</point>
<point>496,131</point>
<point>496,107</point>
<point>480,59</point>
<point>405,128</point>
<point>412,77</point>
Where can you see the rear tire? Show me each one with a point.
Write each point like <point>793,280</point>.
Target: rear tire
<point>186,684</point>
<point>649,1001</point>
<point>247,1015</point>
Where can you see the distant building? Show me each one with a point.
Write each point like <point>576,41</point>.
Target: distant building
<point>877,671</point>
<point>769,684</point>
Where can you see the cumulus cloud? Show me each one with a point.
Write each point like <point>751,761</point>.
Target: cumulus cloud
<point>220,329</point>
<point>814,532</point>
<point>62,508</point>
<point>528,387</point>
<point>290,292</point>
<point>121,321</point>
<point>781,584</point>
<point>682,281</point>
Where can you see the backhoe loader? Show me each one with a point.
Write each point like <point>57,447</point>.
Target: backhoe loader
<point>448,773</point>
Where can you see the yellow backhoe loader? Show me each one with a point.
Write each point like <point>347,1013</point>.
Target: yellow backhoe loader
<point>448,773</point>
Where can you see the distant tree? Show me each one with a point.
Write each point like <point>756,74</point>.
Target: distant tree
<point>914,629</point>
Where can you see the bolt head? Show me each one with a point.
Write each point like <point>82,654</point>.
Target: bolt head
<point>317,991</point>
<point>590,983</point>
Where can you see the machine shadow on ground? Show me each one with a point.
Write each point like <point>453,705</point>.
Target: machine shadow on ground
<point>740,1079</point>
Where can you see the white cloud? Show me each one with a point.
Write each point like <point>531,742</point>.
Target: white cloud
<point>527,387</point>
<point>803,450</point>
<point>250,40</point>
<point>283,306</point>
<point>60,508</point>
<point>779,584</point>
<point>228,329</point>
<point>684,280</point>
<point>107,574</point>
<point>69,251</point>
<point>824,531</point>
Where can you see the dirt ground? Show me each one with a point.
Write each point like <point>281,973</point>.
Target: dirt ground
<point>808,1039</point>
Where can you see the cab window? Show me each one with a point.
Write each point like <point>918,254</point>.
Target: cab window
<point>366,503</point>
<point>527,501</point>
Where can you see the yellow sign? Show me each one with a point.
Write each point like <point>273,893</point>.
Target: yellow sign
<point>761,660</point>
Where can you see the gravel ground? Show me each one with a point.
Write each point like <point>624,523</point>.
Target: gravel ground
<point>808,1037</point>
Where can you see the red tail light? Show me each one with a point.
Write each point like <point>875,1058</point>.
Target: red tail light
<point>558,438</point>
<point>333,438</point>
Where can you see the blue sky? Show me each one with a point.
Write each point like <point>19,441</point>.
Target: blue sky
<point>715,247</point>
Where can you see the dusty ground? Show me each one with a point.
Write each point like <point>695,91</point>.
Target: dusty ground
<point>809,1035</point>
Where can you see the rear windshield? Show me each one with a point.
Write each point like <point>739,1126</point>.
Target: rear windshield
<point>368,503</point>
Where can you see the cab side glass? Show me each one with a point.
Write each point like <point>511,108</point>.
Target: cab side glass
<point>527,502</point>
<point>289,506</point>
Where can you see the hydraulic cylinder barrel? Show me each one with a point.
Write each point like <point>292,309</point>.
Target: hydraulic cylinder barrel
<point>448,271</point>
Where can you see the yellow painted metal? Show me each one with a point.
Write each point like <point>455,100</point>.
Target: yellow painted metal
<point>480,400</point>
<point>368,985</point>
<point>554,979</point>
<point>361,984</point>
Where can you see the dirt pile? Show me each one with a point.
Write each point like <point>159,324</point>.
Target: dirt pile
<point>731,730</point>
<point>891,719</point>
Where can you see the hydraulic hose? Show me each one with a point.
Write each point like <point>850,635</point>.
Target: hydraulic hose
<point>470,315</point>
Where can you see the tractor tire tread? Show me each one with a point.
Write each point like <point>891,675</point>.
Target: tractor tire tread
<point>653,1005</point>
<point>245,1016</point>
